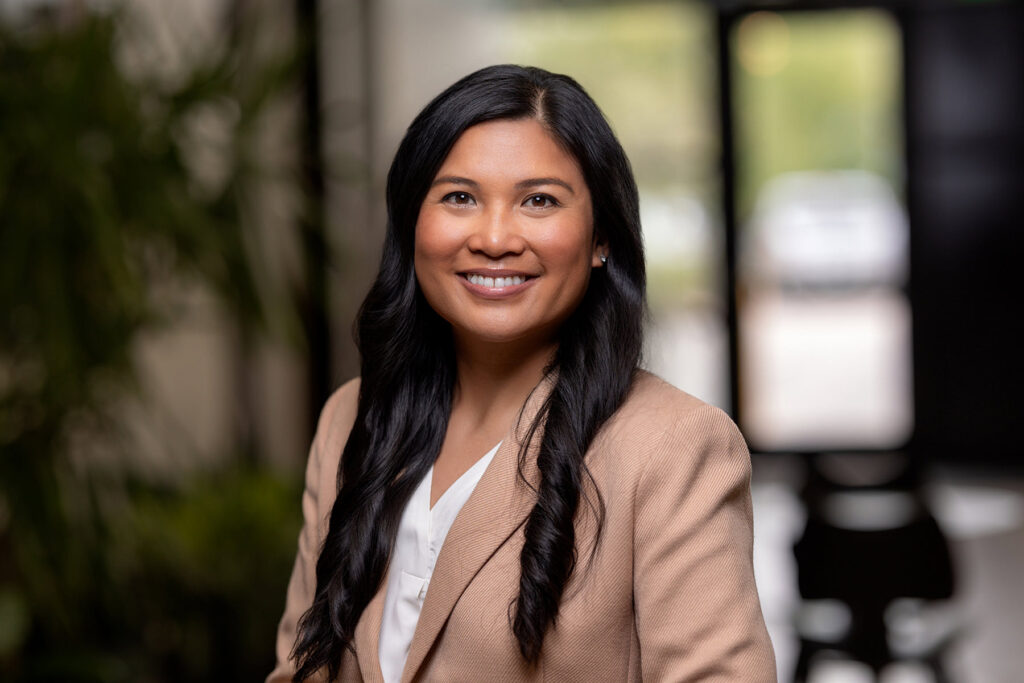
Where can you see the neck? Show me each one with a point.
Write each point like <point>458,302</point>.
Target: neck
<point>494,380</point>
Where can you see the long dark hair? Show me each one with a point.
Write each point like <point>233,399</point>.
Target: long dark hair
<point>408,366</point>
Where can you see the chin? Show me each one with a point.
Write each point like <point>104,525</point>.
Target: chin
<point>494,336</point>
<point>540,335</point>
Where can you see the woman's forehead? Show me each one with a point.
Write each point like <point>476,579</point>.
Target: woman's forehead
<point>509,150</point>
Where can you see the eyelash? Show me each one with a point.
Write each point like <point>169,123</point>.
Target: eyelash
<point>452,196</point>
<point>457,198</point>
<point>551,201</point>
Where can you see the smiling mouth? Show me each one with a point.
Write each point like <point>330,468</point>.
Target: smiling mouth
<point>496,282</point>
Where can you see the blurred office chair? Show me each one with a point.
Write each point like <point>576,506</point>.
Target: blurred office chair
<point>868,547</point>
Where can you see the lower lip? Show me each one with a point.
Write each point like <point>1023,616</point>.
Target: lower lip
<point>496,292</point>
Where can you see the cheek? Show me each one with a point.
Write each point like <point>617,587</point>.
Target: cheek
<point>569,246</point>
<point>433,241</point>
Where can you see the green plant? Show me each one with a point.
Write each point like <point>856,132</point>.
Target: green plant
<point>103,211</point>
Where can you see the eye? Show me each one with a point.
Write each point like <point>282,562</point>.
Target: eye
<point>540,201</point>
<point>458,199</point>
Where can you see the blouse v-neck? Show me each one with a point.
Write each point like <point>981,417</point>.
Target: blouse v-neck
<point>421,534</point>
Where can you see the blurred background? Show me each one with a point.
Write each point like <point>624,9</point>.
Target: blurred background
<point>191,210</point>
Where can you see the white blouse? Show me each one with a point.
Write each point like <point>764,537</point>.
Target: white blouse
<point>421,534</point>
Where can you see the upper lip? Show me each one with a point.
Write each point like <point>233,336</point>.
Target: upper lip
<point>496,272</point>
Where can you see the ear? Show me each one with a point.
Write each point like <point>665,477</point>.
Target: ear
<point>599,255</point>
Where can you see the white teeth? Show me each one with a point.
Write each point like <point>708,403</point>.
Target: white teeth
<point>496,282</point>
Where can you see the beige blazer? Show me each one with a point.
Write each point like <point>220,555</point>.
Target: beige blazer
<point>667,595</point>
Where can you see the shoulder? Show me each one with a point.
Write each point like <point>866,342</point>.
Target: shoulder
<point>651,393</point>
<point>656,408</point>
<point>339,411</point>
<point>336,420</point>
<point>659,425</point>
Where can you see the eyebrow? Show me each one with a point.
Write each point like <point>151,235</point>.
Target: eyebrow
<point>455,180</point>
<point>521,185</point>
<point>536,182</point>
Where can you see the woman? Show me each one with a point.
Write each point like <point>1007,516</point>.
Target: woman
<point>595,521</point>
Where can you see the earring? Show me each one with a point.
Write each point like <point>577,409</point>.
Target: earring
<point>604,259</point>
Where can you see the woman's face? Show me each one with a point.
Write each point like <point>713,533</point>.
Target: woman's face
<point>505,236</point>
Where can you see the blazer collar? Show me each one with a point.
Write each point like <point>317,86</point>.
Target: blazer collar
<point>367,637</point>
<point>494,511</point>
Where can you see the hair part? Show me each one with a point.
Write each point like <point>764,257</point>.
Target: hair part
<point>408,368</point>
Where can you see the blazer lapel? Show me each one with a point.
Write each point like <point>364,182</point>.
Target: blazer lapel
<point>367,637</point>
<point>494,511</point>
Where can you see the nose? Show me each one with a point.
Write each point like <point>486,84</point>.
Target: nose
<point>496,233</point>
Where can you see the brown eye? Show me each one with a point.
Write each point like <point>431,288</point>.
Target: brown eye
<point>541,201</point>
<point>458,199</point>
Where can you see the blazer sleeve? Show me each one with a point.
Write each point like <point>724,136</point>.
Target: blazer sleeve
<point>698,616</point>
<point>321,469</point>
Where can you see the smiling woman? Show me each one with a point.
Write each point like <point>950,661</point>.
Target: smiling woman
<point>501,431</point>
<point>505,237</point>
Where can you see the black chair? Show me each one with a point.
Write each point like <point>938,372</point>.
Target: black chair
<point>865,546</point>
